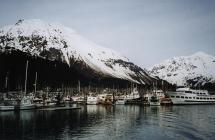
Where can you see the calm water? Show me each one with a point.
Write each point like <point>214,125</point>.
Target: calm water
<point>104,123</point>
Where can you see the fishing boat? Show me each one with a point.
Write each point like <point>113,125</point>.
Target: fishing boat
<point>26,102</point>
<point>105,99</point>
<point>92,99</point>
<point>133,95</point>
<point>120,101</point>
<point>6,106</point>
<point>154,101</point>
<point>188,96</point>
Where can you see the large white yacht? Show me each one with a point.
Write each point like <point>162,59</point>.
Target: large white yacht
<point>185,95</point>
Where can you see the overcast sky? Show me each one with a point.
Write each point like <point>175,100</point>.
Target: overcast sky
<point>145,31</point>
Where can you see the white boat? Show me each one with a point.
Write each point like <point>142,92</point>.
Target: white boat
<point>190,96</point>
<point>92,100</point>
<point>154,101</point>
<point>26,103</point>
<point>133,95</point>
<point>155,97</point>
<point>78,99</point>
<point>120,101</point>
<point>6,107</point>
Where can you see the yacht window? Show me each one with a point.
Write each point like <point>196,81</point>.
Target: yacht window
<point>177,96</point>
<point>182,96</point>
<point>213,98</point>
<point>173,96</point>
<point>190,97</point>
<point>207,98</point>
<point>186,97</point>
<point>204,98</point>
<point>196,97</point>
<point>200,98</point>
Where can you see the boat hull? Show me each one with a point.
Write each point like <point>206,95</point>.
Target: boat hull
<point>6,108</point>
<point>154,104</point>
<point>27,107</point>
<point>92,102</point>
<point>120,102</point>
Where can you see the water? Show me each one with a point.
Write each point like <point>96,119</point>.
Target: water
<point>107,123</point>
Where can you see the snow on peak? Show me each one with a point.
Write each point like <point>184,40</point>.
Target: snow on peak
<point>201,54</point>
<point>196,69</point>
<point>38,37</point>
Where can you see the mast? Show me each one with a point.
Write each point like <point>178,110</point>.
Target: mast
<point>35,83</point>
<point>6,82</point>
<point>26,77</point>
<point>79,86</point>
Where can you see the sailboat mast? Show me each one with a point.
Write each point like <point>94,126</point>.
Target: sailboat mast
<point>26,77</point>
<point>6,82</point>
<point>79,86</point>
<point>35,83</point>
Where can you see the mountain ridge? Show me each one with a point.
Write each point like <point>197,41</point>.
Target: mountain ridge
<point>194,70</point>
<point>57,42</point>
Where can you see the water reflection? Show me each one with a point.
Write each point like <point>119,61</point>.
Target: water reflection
<point>111,122</point>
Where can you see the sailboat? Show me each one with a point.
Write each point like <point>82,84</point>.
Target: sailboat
<point>26,101</point>
<point>155,99</point>
<point>6,105</point>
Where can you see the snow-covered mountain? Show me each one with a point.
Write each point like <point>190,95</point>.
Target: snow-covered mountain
<point>54,41</point>
<point>194,70</point>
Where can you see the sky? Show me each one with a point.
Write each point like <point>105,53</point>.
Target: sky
<point>145,31</point>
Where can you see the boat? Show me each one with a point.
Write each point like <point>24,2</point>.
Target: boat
<point>154,97</point>
<point>26,103</point>
<point>154,101</point>
<point>120,100</point>
<point>92,99</point>
<point>188,96</point>
<point>6,106</point>
<point>105,99</point>
<point>133,95</point>
<point>79,99</point>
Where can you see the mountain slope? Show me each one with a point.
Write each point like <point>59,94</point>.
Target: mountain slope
<point>57,42</point>
<point>195,70</point>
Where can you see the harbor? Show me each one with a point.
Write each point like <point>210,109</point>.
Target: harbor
<point>111,122</point>
<point>107,70</point>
